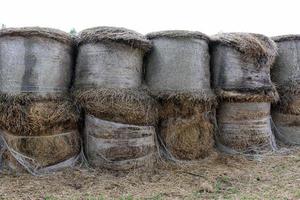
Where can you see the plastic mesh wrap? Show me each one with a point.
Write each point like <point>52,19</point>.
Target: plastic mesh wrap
<point>118,146</point>
<point>245,128</point>
<point>287,127</point>
<point>178,64</point>
<point>39,154</point>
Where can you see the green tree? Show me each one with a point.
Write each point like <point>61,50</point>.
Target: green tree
<point>3,26</point>
<point>73,31</point>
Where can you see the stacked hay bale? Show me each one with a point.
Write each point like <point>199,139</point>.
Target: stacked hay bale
<point>286,75</point>
<point>38,122</point>
<point>119,115</point>
<point>241,76</point>
<point>178,76</point>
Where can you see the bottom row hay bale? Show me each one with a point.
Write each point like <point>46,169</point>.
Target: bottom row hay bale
<point>245,127</point>
<point>287,127</point>
<point>118,146</point>
<point>38,133</point>
<point>36,153</point>
<point>186,129</point>
<point>286,114</point>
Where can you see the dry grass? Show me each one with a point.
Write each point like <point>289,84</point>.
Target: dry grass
<point>26,116</point>
<point>217,177</point>
<point>129,106</point>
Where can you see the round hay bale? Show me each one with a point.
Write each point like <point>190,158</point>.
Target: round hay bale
<point>287,127</point>
<point>286,67</point>
<point>35,153</point>
<point>241,62</point>
<point>286,72</point>
<point>186,130</point>
<point>118,146</point>
<point>37,117</point>
<point>178,66</point>
<point>128,106</point>
<point>35,60</point>
<point>286,75</point>
<point>110,57</point>
<point>245,127</point>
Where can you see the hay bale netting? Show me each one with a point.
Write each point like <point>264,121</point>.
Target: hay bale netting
<point>108,78</point>
<point>35,60</point>
<point>108,86</point>
<point>286,75</point>
<point>241,63</point>
<point>118,146</point>
<point>178,76</point>
<point>241,76</point>
<point>38,122</point>
<point>40,136</point>
<point>40,154</point>
<point>245,127</point>
<point>110,57</point>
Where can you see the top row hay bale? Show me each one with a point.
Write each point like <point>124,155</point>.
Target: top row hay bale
<point>241,62</point>
<point>35,60</point>
<point>178,65</point>
<point>286,68</point>
<point>110,57</point>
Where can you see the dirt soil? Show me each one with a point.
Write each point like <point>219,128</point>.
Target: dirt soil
<point>275,176</point>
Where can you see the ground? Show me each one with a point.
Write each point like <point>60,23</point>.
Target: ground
<point>274,176</point>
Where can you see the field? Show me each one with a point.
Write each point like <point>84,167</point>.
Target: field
<point>275,176</point>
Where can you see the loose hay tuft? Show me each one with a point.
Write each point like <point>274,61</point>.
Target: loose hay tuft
<point>127,106</point>
<point>114,34</point>
<point>50,33</point>
<point>178,34</point>
<point>254,47</point>
<point>248,96</point>
<point>283,38</point>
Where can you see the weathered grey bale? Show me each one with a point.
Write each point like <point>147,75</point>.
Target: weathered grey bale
<point>177,73</point>
<point>287,66</point>
<point>110,57</point>
<point>118,146</point>
<point>178,65</point>
<point>286,75</point>
<point>35,60</point>
<point>129,106</point>
<point>241,62</point>
<point>245,127</point>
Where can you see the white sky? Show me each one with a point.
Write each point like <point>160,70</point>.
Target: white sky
<point>209,16</point>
